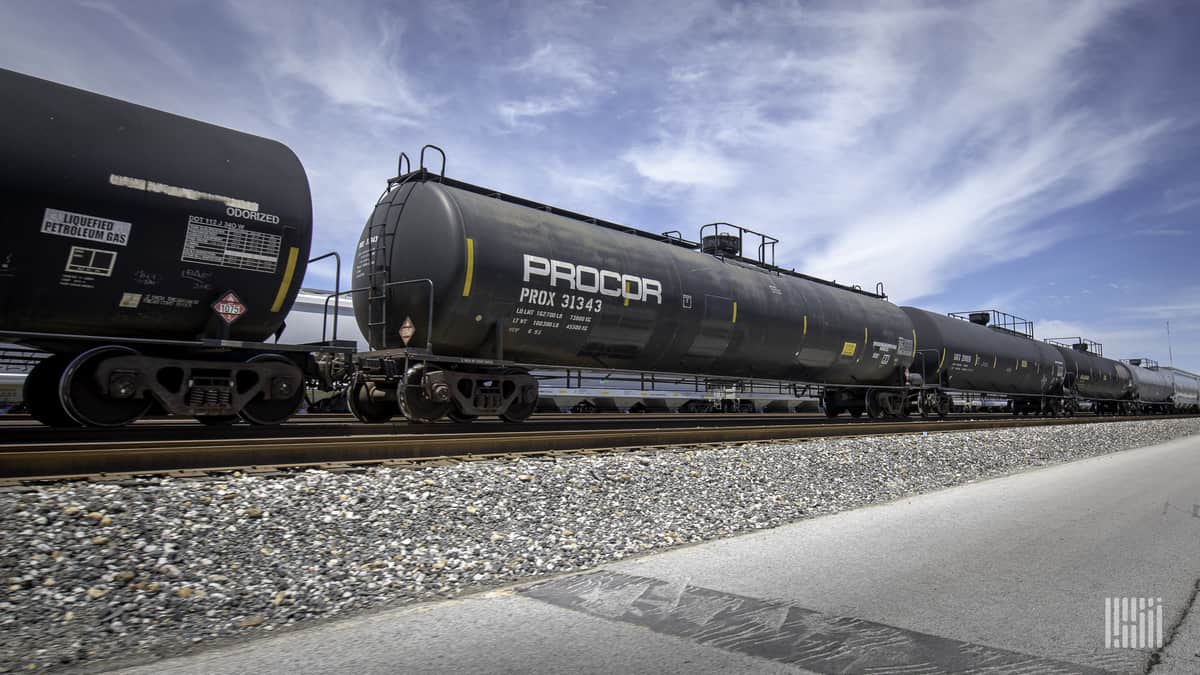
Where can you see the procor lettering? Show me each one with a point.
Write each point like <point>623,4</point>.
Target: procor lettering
<point>586,279</point>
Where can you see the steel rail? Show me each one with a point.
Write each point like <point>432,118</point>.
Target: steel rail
<point>14,436</point>
<point>90,460</point>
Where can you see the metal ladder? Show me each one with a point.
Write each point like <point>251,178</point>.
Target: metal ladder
<point>379,238</point>
<point>379,241</point>
<point>377,277</point>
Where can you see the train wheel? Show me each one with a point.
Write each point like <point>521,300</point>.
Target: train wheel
<point>414,403</point>
<point>929,405</point>
<point>828,407</point>
<point>364,406</point>
<point>517,413</point>
<point>461,417</point>
<point>287,398</point>
<point>943,406</point>
<point>84,400</point>
<point>40,392</point>
<point>520,409</point>
<point>875,409</point>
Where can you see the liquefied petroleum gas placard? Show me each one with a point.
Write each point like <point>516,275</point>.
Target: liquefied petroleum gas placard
<point>216,242</point>
<point>83,226</point>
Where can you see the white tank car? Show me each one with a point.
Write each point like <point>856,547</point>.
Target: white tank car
<point>304,323</point>
<point>15,363</point>
<point>1187,390</point>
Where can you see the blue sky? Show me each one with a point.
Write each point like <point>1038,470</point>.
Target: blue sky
<point>1039,157</point>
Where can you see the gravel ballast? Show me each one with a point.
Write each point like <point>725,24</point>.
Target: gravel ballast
<point>98,571</point>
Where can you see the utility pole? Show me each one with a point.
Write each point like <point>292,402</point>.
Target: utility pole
<point>1170,354</point>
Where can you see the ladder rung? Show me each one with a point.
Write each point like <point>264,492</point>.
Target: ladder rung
<point>376,323</point>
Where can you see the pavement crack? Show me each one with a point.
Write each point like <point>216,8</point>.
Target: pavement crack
<point>1157,657</point>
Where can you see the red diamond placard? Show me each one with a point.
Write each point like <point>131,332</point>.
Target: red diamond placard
<point>407,330</point>
<point>229,307</point>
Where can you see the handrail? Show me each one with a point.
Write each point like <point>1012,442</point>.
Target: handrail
<point>428,330</point>
<point>337,287</point>
<point>765,241</point>
<point>427,146</point>
<point>331,296</point>
<point>1092,347</point>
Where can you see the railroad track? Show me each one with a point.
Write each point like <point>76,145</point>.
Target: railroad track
<point>186,429</point>
<point>117,460</point>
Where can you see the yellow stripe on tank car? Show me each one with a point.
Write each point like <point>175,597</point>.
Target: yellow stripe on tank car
<point>943,359</point>
<point>470,267</point>
<point>626,293</point>
<point>805,333</point>
<point>289,271</point>
<point>734,320</point>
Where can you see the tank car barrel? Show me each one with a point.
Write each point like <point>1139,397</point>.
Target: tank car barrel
<point>164,234</point>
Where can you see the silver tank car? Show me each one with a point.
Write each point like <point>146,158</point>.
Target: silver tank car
<point>472,283</point>
<point>1187,390</point>
<point>1153,388</point>
<point>964,353</point>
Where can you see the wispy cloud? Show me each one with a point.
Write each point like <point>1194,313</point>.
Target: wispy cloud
<point>568,64</point>
<point>348,58</point>
<point>569,71</point>
<point>1182,308</point>
<point>154,44</point>
<point>1134,329</point>
<point>910,145</point>
<point>1181,198</point>
<point>515,112</point>
<point>688,162</point>
<point>1160,232</point>
<point>1132,340</point>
